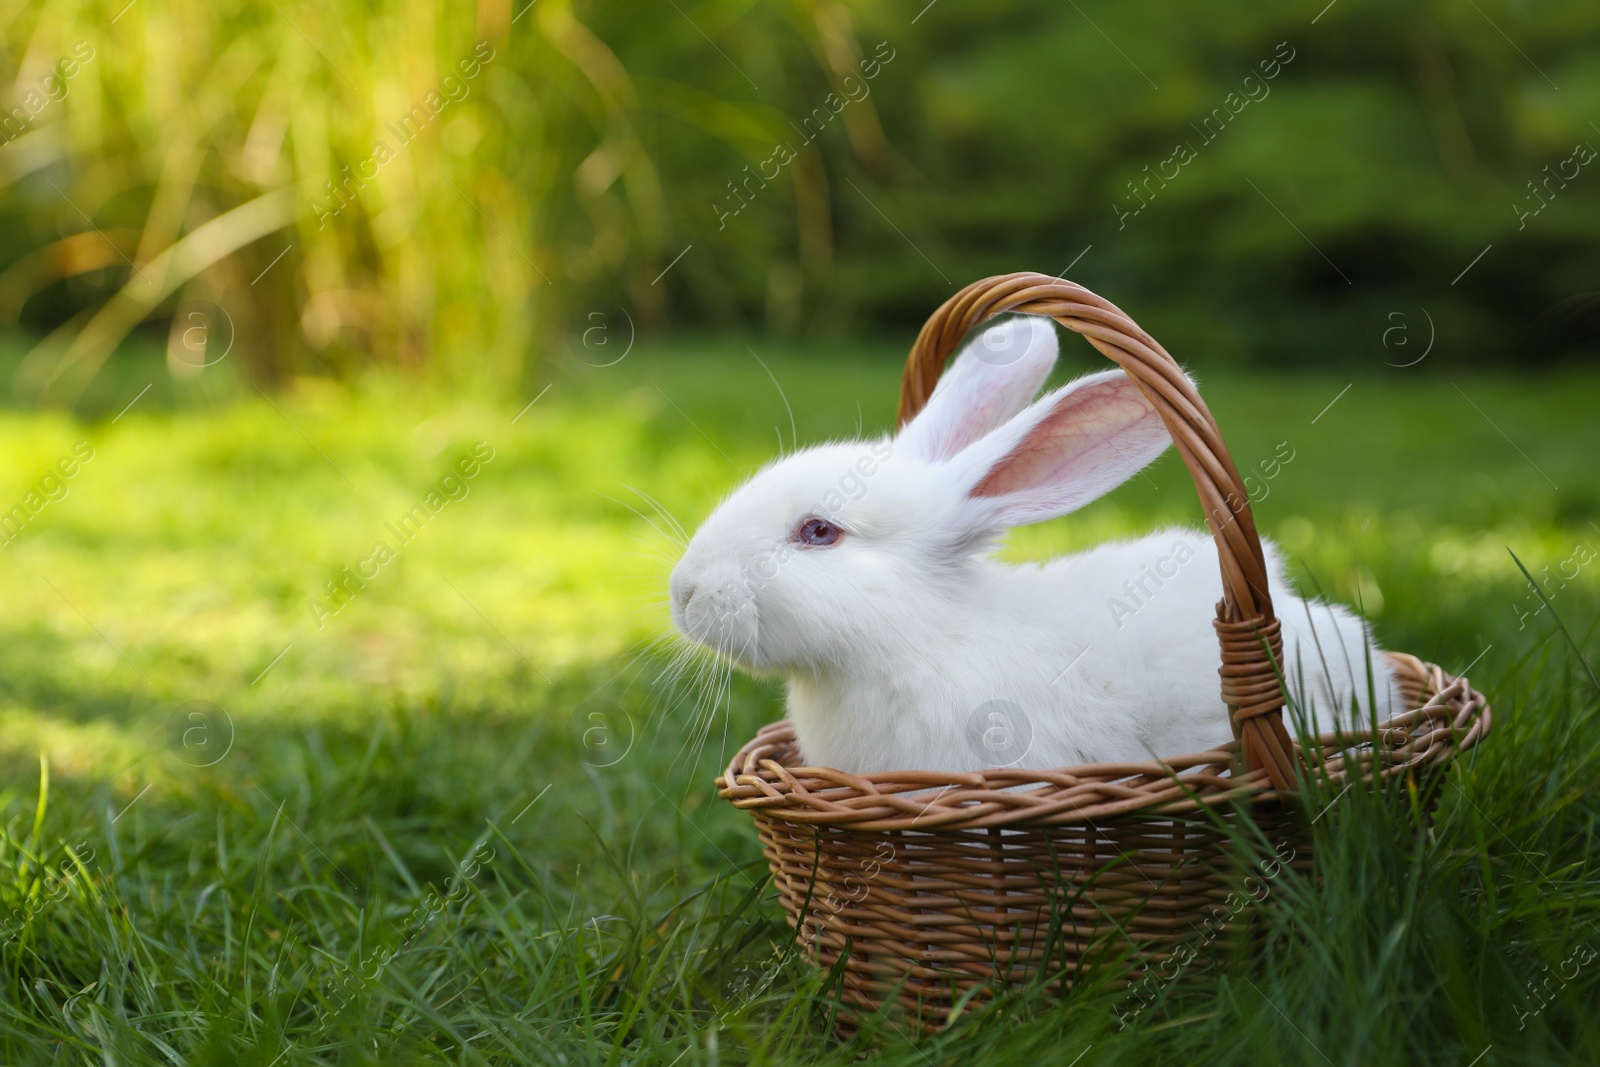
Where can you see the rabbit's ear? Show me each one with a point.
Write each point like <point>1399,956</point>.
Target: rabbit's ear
<point>1076,444</point>
<point>992,379</point>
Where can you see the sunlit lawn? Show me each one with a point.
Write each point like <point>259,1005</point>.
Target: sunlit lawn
<point>365,744</point>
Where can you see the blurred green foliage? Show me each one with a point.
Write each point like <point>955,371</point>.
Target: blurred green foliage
<point>1387,151</point>
<point>1365,175</point>
<point>423,185</point>
<point>457,188</point>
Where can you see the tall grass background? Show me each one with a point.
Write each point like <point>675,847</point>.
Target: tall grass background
<point>227,156</point>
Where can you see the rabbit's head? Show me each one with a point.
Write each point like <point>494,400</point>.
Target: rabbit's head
<point>833,554</point>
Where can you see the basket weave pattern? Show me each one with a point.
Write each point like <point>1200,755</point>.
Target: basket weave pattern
<point>935,884</point>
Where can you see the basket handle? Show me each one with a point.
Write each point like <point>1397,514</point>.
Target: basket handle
<point>1246,627</point>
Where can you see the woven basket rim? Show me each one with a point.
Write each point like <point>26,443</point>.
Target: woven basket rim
<point>766,775</point>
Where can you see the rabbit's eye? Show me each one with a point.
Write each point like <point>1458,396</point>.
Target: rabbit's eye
<point>818,532</point>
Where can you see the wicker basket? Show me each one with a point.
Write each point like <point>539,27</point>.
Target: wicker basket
<point>934,887</point>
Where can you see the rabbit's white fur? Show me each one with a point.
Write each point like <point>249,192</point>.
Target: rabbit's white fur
<point>906,648</point>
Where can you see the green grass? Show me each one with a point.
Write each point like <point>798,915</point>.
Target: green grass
<point>360,878</point>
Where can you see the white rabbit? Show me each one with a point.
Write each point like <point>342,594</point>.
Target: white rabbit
<point>859,572</point>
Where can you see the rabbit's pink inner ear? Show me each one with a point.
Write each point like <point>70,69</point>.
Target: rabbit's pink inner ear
<point>1095,435</point>
<point>993,378</point>
<point>954,425</point>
